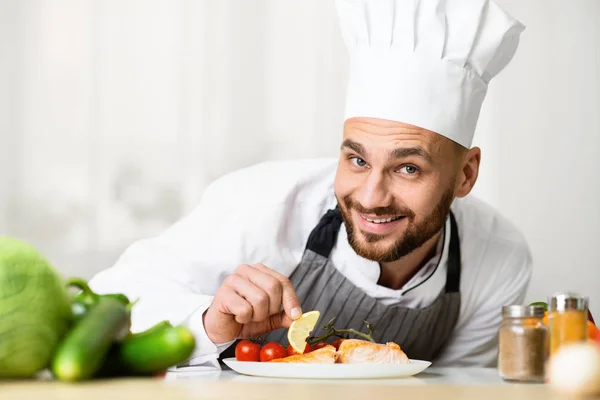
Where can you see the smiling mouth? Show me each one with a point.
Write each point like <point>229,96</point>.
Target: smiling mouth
<point>382,220</point>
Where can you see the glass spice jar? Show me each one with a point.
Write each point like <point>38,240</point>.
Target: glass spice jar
<point>567,318</point>
<point>523,344</point>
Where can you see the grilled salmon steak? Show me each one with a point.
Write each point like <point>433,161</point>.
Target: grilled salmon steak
<point>352,351</point>
<point>324,355</point>
<point>355,351</point>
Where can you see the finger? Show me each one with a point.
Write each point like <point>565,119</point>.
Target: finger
<point>236,305</point>
<point>256,296</point>
<point>271,285</point>
<point>291,304</point>
<point>274,322</point>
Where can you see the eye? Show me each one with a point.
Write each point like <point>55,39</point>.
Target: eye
<point>359,162</point>
<point>409,169</point>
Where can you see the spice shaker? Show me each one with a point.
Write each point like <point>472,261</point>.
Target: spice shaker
<point>523,344</point>
<point>567,317</point>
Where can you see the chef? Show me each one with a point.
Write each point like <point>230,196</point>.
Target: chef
<point>387,232</point>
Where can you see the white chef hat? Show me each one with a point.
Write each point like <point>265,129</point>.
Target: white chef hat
<point>425,62</point>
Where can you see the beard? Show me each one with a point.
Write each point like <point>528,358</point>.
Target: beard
<point>416,234</point>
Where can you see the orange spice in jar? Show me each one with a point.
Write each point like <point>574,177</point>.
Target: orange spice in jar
<point>567,318</point>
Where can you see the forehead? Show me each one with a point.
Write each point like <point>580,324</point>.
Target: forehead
<point>393,134</point>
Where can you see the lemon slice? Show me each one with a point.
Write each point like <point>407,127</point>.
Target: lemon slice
<point>301,328</point>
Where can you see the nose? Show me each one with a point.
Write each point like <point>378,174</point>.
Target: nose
<point>374,192</point>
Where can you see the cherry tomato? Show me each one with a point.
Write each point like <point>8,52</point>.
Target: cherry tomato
<point>319,345</point>
<point>291,351</point>
<point>247,350</point>
<point>337,343</point>
<point>271,351</point>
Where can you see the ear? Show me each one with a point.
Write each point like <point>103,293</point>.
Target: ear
<point>469,170</point>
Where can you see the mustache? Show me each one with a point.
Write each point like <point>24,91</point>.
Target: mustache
<point>378,211</point>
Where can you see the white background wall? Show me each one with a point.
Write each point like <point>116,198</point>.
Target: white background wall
<point>115,114</point>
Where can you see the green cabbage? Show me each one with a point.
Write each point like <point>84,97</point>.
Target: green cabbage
<point>35,310</point>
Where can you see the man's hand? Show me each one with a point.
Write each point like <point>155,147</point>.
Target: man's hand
<point>249,304</point>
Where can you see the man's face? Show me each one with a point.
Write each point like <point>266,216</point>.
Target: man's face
<point>394,186</point>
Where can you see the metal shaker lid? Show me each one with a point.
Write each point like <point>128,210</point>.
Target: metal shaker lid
<point>518,311</point>
<point>568,301</point>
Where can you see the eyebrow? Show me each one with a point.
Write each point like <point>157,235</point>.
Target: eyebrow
<point>354,146</point>
<point>399,153</point>
<point>405,152</point>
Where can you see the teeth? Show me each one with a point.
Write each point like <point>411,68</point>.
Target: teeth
<point>381,221</point>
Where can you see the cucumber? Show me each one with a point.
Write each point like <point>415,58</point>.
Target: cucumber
<point>83,351</point>
<point>150,352</point>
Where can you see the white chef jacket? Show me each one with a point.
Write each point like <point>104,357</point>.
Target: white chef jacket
<point>265,213</point>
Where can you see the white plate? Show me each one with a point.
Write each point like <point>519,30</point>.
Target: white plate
<point>326,371</point>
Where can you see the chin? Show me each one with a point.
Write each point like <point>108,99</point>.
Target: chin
<point>382,250</point>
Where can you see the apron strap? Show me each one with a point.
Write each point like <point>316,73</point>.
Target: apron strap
<point>323,237</point>
<point>453,273</point>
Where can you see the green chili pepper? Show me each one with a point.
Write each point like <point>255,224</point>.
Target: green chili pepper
<point>83,301</point>
<point>118,296</point>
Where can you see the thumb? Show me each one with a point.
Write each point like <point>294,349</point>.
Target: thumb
<point>280,320</point>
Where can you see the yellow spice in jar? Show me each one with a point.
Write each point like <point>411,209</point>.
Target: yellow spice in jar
<point>569,326</point>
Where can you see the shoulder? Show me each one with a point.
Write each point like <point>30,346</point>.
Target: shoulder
<point>480,222</point>
<point>494,248</point>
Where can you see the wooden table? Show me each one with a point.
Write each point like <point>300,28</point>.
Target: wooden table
<point>434,383</point>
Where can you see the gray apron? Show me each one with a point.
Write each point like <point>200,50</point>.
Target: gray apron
<point>421,333</point>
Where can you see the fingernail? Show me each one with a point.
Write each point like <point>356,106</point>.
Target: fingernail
<point>296,312</point>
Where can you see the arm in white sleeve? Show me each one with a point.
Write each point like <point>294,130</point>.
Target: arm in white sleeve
<point>475,339</point>
<point>255,215</point>
<point>176,274</point>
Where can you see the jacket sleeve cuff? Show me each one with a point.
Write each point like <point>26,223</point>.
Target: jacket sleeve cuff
<point>206,352</point>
